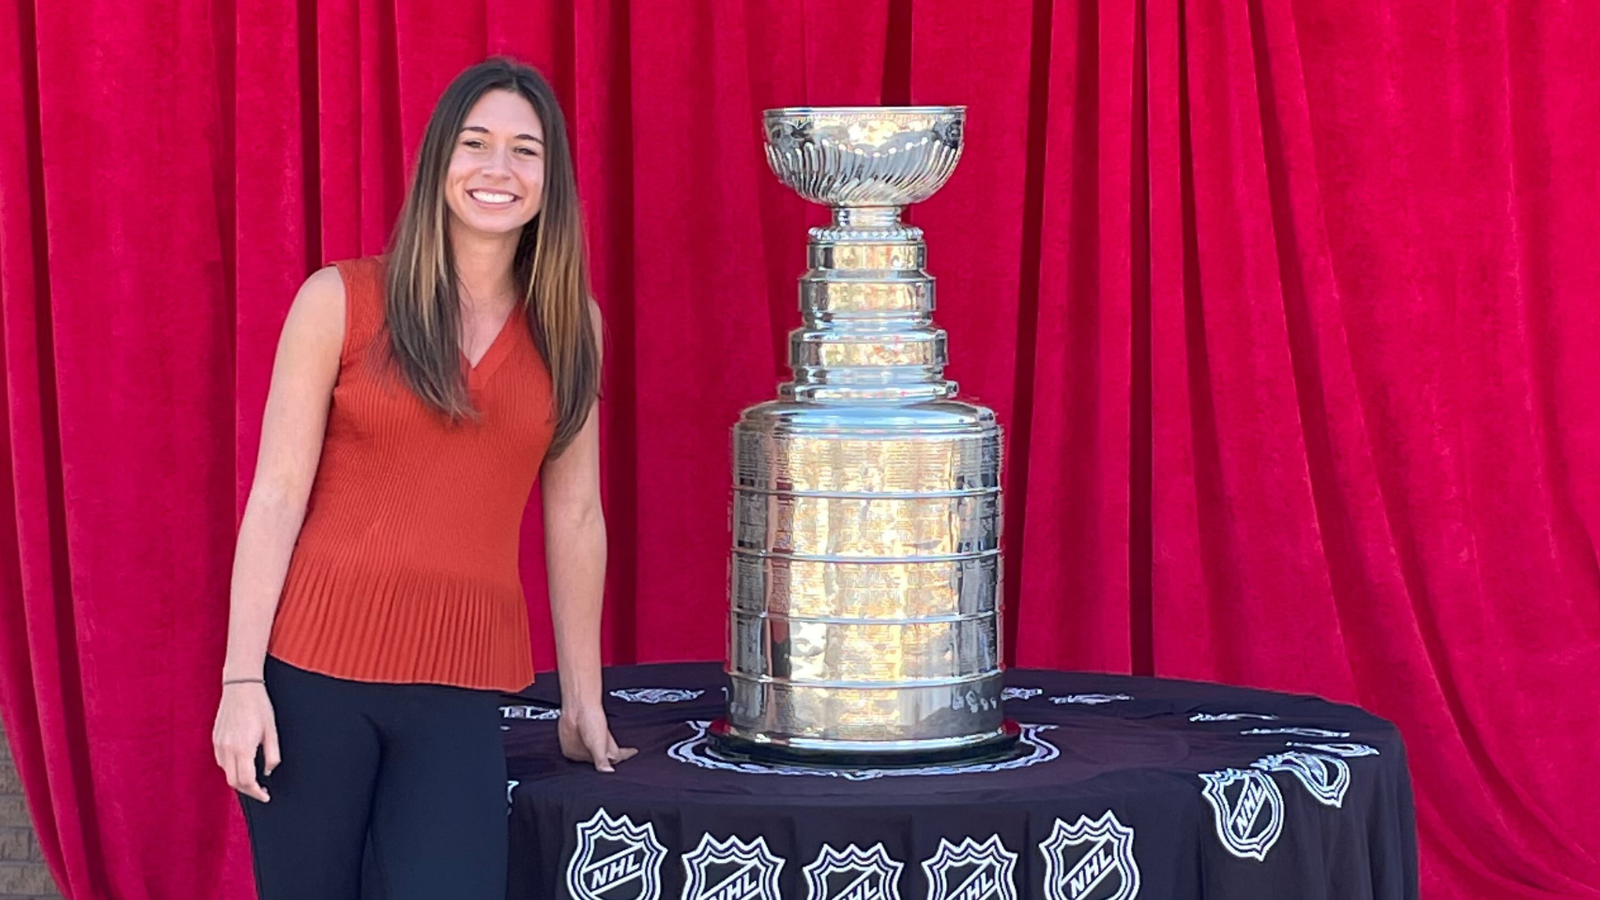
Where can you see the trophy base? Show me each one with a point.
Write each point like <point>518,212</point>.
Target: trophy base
<point>1000,746</point>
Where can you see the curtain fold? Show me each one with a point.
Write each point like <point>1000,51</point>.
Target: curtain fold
<point>1288,310</point>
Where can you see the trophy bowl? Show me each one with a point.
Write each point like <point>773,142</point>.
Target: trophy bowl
<point>865,156</point>
<point>865,568</point>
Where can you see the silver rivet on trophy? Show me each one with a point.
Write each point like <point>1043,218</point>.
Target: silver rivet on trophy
<point>865,574</point>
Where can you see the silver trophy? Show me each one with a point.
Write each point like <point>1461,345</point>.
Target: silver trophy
<point>865,576</point>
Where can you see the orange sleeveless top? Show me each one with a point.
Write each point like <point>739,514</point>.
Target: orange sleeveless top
<point>406,568</point>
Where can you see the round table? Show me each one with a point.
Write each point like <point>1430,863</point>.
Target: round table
<point>1122,787</point>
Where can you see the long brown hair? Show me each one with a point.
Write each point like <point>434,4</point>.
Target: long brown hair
<point>423,314</point>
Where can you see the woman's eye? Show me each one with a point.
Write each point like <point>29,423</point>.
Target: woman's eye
<point>474,143</point>
<point>527,151</point>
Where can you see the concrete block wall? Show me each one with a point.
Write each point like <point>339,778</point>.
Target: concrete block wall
<point>23,875</point>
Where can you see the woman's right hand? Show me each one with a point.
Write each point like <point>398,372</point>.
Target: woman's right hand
<point>244,723</point>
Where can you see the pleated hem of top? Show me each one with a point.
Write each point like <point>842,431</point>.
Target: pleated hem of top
<point>399,627</point>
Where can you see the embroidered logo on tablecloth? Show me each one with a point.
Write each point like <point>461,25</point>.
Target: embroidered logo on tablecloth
<point>853,874</point>
<point>972,871</point>
<point>1228,717</point>
<point>615,860</point>
<point>1299,732</point>
<point>1248,809</point>
<point>1090,857</point>
<point>1325,777</point>
<point>731,869</point>
<point>1020,693</point>
<point>1349,751</point>
<point>1090,699</point>
<point>536,713</point>
<point>655,695</point>
<point>695,750</point>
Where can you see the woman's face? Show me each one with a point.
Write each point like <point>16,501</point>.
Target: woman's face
<point>495,183</point>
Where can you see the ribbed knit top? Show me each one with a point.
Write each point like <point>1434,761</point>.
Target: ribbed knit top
<point>406,568</point>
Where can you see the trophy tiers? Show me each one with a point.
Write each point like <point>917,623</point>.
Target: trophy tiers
<point>865,573</point>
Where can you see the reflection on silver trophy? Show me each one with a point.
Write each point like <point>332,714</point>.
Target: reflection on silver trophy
<point>864,593</point>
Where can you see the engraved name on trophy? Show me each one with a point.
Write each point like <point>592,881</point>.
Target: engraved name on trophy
<point>865,574</point>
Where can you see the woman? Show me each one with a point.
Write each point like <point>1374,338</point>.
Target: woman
<point>376,609</point>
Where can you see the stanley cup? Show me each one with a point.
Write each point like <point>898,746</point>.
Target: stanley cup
<point>864,584</point>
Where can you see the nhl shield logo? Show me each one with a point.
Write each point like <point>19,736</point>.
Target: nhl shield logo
<point>1302,732</point>
<point>731,870</point>
<point>1345,750</point>
<point>1090,699</point>
<point>1325,777</point>
<point>655,695</point>
<point>972,871</point>
<point>1091,859</point>
<point>1248,810</point>
<point>853,874</point>
<point>615,860</point>
<point>1229,717</point>
<point>537,713</point>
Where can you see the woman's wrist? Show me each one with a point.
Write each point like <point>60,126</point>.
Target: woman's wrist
<point>581,703</point>
<point>580,681</point>
<point>242,673</point>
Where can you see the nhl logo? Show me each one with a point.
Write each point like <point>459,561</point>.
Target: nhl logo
<point>972,871</point>
<point>1248,810</point>
<point>731,870</point>
<point>853,874</point>
<point>615,860</point>
<point>1103,869</point>
<point>1090,699</point>
<point>655,695</point>
<point>1302,732</point>
<point>1345,750</point>
<point>537,713</point>
<point>1325,777</point>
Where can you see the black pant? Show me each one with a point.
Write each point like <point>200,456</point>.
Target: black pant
<point>402,786</point>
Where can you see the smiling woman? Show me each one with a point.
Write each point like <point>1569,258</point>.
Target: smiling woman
<point>495,161</point>
<point>377,609</point>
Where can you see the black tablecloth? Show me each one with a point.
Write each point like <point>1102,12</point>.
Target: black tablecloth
<point>1127,787</point>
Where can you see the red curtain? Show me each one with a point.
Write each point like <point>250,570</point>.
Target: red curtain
<point>1287,307</point>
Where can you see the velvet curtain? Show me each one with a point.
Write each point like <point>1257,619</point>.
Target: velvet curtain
<point>1288,310</point>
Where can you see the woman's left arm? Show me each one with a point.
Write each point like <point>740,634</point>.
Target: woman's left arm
<point>575,558</point>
